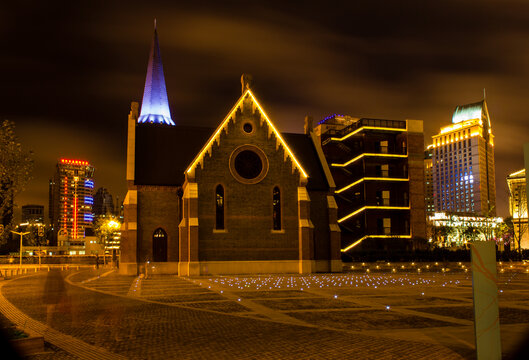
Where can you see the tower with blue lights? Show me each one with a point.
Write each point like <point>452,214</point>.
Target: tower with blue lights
<point>71,199</point>
<point>155,106</point>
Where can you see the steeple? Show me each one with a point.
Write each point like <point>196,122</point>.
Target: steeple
<point>155,106</point>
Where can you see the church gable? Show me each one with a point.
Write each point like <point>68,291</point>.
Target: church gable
<point>246,109</point>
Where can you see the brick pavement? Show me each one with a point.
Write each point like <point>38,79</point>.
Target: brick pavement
<point>171,317</point>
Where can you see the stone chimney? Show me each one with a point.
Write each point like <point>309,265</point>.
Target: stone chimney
<point>246,82</point>
<point>308,124</point>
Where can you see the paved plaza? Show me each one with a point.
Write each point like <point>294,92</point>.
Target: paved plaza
<point>374,311</point>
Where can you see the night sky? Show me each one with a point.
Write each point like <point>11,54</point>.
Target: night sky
<point>70,72</point>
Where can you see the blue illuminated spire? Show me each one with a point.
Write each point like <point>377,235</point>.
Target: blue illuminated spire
<point>155,106</point>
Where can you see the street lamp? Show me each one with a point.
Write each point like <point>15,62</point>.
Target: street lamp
<point>21,235</point>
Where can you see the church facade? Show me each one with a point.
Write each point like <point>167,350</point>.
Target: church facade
<point>237,199</point>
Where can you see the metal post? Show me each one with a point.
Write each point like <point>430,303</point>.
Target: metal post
<point>21,235</point>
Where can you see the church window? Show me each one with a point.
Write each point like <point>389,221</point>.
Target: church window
<point>159,245</point>
<point>247,127</point>
<point>248,164</point>
<point>219,208</point>
<point>276,203</point>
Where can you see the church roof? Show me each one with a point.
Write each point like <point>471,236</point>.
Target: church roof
<point>155,106</point>
<point>247,95</point>
<point>163,154</point>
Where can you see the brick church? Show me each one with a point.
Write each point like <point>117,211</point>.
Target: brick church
<point>239,198</point>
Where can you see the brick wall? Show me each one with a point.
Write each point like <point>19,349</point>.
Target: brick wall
<point>248,231</point>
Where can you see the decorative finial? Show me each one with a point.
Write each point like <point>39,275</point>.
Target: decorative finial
<point>246,82</point>
<point>484,94</point>
<point>154,23</point>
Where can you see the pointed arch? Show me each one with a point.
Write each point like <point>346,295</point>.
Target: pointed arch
<point>276,208</point>
<point>219,207</point>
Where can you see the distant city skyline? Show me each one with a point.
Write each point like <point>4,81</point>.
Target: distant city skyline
<point>75,68</point>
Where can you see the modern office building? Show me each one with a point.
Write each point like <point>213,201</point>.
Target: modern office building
<point>71,199</point>
<point>517,184</point>
<point>377,166</point>
<point>33,214</point>
<point>463,163</point>
<point>103,202</point>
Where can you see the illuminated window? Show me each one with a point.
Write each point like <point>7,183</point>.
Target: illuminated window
<point>219,208</point>
<point>382,170</point>
<point>159,245</point>
<point>382,198</point>
<point>384,226</point>
<point>383,146</point>
<point>276,204</point>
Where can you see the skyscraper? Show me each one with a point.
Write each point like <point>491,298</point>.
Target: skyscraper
<point>103,203</point>
<point>71,198</point>
<point>463,163</point>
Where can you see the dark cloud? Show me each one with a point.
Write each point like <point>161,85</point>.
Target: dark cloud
<point>71,69</point>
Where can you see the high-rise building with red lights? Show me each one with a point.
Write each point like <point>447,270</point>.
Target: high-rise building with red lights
<point>71,198</point>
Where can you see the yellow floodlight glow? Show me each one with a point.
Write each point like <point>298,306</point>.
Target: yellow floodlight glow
<point>354,244</point>
<point>202,152</point>
<point>519,172</point>
<point>370,179</point>
<point>277,134</point>
<point>368,154</point>
<point>372,207</point>
<point>368,128</point>
<point>376,236</point>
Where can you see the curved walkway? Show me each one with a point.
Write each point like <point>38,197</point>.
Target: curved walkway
<point>172,323</point>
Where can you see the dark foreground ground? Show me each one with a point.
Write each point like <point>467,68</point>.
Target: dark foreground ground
<point>389,312</point>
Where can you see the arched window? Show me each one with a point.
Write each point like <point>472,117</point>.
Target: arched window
<point>219,208</point>
<point>159,245</point>
<point>276,204</point>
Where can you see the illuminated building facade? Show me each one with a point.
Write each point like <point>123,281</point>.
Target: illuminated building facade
<point>459,229</point>
<point>463,163</point>
<point>33,214</point>
<point>377,166</point>
<point>71,199</point>
<point>239,198</point>
<point>517,183</point>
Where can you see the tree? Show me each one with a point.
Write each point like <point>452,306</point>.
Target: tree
<point>105,228</point>
<point>16,165</point>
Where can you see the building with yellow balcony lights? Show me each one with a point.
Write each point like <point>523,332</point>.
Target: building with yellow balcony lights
<point>463,163</point>
<point>377,166</point>
<point>517,183</point>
